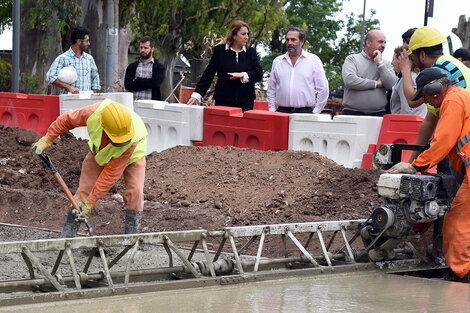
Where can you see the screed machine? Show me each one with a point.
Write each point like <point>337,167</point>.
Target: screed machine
<point>401,235</point>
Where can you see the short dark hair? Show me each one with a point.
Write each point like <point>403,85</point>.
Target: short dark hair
<point>78,33</point>
<point>462,53</point>
<point>434,51</point>
<point>408,33</point>
<point>149,39</point>
<point>302,34</point>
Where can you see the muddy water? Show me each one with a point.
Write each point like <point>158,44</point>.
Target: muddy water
<point>359,292</point>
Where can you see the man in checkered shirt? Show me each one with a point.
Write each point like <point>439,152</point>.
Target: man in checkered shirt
<point>88,78</point>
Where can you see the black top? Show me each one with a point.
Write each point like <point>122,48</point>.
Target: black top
<point>131,83</point>
<point>224,61</point>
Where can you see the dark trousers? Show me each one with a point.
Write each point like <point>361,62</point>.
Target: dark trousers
<point>245,106</point>
<point>351,112</point>
<point>294,110</point>
<point>444,167</point>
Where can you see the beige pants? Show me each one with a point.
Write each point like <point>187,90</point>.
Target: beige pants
<point>134,177</point>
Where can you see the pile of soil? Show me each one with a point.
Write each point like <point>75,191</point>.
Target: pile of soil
<point>187,187</point>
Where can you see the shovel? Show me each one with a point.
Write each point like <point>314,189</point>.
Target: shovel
<point>64,187</point>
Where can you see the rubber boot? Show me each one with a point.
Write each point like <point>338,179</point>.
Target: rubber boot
<point>71,226</point>
<point>133,219</point>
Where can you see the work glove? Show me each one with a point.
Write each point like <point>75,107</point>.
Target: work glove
<point>402,168</point>
<point>42,144</point>
<point>85,210</point>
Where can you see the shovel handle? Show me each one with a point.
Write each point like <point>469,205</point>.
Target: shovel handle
<point>66,189</point>
<point>48,162</point>
<point>59,179</point>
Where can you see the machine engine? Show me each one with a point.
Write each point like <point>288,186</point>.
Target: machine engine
<point>409,200</point>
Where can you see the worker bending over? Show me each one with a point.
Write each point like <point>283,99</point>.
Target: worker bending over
<point>451,137</point>
<point>117,146</point>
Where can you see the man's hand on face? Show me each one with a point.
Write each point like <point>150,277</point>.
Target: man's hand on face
<point>377,56</point>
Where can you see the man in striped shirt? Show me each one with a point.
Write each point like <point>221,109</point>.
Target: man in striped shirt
<point>425,50</point>
<point>88,79</point>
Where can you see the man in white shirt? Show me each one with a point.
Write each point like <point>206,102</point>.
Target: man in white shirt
<point>298,83</point>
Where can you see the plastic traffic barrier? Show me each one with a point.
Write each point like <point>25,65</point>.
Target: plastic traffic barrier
<point>344,139</point>
<point>34,112</point>
<point>256,129</point>
<point>261,105</point>
<point>396,128</point>
<point>170,124</point>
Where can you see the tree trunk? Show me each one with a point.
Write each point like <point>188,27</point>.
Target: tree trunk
<point>168,58</point>
<point>93,18</point>
<point>126,35</point>
<point>197,69</point>
<point>463,31</point>
<point>38,49</point>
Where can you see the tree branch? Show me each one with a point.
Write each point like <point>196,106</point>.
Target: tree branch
<point>255,38</point>
<point>210,10</point>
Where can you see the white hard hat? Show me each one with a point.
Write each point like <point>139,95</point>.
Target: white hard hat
<point>68,75</point>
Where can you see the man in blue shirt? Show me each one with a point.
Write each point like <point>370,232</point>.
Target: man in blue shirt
<point>88,78</point>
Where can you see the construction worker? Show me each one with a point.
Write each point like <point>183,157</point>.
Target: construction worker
<point>452,137</point>
<point>425,50</point>
<point>117,147</point>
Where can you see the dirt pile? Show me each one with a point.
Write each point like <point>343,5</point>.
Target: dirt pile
<point>187,187</point>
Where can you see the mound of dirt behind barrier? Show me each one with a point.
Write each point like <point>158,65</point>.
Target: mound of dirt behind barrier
<point>187,187</point>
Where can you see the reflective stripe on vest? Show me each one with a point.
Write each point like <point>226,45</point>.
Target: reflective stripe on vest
<point>466,162</point>
<point>103,156</point>
<point>462,142</point>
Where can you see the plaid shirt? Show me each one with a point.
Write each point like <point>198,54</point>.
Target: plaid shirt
<point>144,71</point>
<point>87,72</point>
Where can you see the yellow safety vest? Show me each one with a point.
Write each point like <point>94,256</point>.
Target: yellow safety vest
<point>109,152</point>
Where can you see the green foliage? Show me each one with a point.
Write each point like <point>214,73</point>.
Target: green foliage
<point>189,26</point>
<point>5,74</point>
<point>62,12</point>
<point>5,14</point>
<point>31,83</point>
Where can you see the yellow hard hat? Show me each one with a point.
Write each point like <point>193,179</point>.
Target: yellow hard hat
<point>117,123</point>
<point>424,37</point>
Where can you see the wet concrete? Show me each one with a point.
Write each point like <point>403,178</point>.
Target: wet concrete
<point>358,292</point>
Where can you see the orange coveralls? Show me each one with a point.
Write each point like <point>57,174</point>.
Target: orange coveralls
<point>454,123</point>
<point>96,180</point>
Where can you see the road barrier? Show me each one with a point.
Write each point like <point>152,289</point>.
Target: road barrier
<point>256,129</point>
<point>395,128</point>
<point>34,112</point>
<point>347,140</point>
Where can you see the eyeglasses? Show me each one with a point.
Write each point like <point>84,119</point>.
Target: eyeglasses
<point>85,40</point>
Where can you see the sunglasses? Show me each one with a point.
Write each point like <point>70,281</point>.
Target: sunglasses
<point>85,40</point>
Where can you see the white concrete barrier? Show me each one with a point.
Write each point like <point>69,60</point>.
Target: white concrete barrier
<point>72,101</point>
<point>344,139</point>
<point>170,124</point>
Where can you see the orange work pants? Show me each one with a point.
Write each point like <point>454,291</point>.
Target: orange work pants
<point>134,177</point>
<point>456,232</point>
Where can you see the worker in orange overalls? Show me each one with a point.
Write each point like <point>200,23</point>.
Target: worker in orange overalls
<point>117,147</point>
<point>451,137</point>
